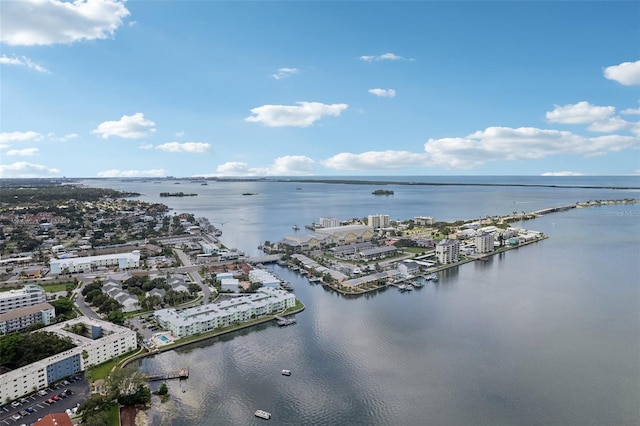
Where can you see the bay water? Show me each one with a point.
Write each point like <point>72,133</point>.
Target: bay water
<point>541,335</point>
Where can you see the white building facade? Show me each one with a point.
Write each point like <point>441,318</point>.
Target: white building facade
<point>19,319</point>
<point>109,341</point>
<point>377,221</point>
<point>88,263</point>
<point>448,251</point>
<point>29,295</point>
<point>484,242</point>
<point>208,317</point>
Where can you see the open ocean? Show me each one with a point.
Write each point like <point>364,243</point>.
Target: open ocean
<point>546,334</point>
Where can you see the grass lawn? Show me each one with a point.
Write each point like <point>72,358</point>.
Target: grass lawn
<point>54,288</point>
<point>114,415</point>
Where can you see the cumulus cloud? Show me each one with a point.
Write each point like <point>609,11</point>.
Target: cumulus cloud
<point>383,93</point>
<point>129,126</point>
<point>612,124</point>
<point>22,61</point>
<point>582,112</point>
<point>23,169</point>
<point>626,73</point>
<point>375,160</point>
<point>284,73</point>
<point>290,165</point>
<point>19,136</point>
<point>630,111</point>
<point>383,57</point>
<point>190,147</point>
<point>304,114</point>
<point>504,143</point>
<point>133,173</point>
<point>45,22</point>
<point>563,173</point>
<point>22,152</point>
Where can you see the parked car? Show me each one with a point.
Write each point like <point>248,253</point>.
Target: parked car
<point>65,383</point>
<point>50,401</point>
<point>68,392</point>
<point>24,413</point>
<point>16,416</point>
<point>23,401</point>
<point>55,397</point>
<point>42,392</point>
<point>62,395</point>
<point>15,404</point>
<point>30,409</point>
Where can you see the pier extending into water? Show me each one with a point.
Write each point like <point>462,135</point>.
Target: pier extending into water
<point>183,373</point>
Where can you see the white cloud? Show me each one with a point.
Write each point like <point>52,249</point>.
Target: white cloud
<point>22,152</point>
<point>23,169</point>
<point>129,126</point>
<point>284,73</point>
<point>19,136</point>
<point>180,134</point>
<point>191,147</point>
<point>375,160</point>
<point>133,173</point>
<point>564,173</point>
<point>612,124</point>
<point>630,111</point>
<point>44,22</point>
<point>627,73</point>
<point>304,114</point>
<point>582,112</point>
<point>504,143</point>
<point>383,93</point>
<point>24,62</point>
<point>290,165</point>
<point>383,57</point>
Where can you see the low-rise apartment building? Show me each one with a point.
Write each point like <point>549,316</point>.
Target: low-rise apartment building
<point>20,319</point>
<point>107,341</point>
<point>208,317</point>
<point>29,295</point>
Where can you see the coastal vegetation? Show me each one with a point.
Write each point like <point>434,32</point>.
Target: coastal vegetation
<point>383,192</point>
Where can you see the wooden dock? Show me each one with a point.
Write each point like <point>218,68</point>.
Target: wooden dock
<point>180,374</point>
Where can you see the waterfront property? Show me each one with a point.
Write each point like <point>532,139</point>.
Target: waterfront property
<point>29,295</point>
<point>106,342</point>
<point>208,317</point>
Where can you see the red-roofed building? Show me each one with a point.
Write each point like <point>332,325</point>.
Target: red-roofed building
<point>54,419</point>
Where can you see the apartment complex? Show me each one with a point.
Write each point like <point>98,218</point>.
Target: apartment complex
<point>89,263</point>
<point>20,319</point>
<point>447,251</point>
<point>208,317</point>
<point>329,222</point>
<point>106,341</point>
<point>30,295</point>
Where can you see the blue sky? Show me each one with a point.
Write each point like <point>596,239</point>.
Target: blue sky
<point>104,88</point>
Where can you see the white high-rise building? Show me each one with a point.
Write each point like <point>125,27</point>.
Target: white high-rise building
<point>30,295</point>
<point>447,251</point>
<point>329,222</point>
<point>377,221</point>
<point>484,242</point>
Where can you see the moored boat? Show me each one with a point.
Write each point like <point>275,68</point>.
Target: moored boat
<point>263,414</point>
<point>286,372</point>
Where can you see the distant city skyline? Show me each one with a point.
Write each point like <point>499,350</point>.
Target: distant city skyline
<point>109,88</point>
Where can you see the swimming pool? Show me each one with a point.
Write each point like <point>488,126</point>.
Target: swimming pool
<point>163,339</point>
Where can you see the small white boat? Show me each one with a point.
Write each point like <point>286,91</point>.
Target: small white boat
<point>286,372</point>
<point>263,414</point>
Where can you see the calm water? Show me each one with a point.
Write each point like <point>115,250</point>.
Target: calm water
<point>545,334</point>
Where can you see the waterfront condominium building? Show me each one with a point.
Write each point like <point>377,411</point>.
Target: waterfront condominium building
<point>29,295</point>
<point>208,317</point>
<point>19,319</point>
<point>424,220</point>
<point>329,222</point>
<point>377,221</point>
<point>447,251</point>
<point>104,341</point>
<point>484,242</point>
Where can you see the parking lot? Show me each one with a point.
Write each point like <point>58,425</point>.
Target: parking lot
<point>29,409</point>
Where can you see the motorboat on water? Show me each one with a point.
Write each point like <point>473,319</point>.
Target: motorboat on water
<point>286,372</point>
<point>263,414</point>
